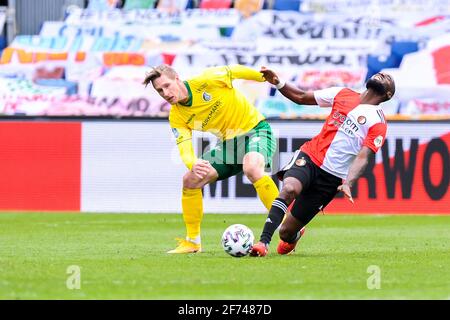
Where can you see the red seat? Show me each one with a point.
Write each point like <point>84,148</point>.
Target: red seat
<point>215,4</point>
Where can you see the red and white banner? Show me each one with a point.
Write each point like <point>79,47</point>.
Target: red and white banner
<point>425,74</point>
<point>134,166</point>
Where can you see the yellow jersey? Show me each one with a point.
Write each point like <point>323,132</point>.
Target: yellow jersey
<point>214,106</point>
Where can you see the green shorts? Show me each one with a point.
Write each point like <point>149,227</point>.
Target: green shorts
<point>227,156</point>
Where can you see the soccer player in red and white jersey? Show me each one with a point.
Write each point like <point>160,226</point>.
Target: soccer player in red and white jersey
<point>332,161</point>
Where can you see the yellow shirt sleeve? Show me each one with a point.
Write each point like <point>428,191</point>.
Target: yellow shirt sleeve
<point>183,136</point>
<point>241,72</point>
<point>224,75</point>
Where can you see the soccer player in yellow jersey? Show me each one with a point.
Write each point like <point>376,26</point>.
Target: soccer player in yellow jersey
<point>210,103</point>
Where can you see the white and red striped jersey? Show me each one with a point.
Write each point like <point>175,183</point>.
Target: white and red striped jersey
<point>348,128</point>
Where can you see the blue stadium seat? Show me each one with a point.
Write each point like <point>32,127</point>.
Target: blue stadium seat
<point>192,4</point>
<point>2,43</point>
<point>287,5</point>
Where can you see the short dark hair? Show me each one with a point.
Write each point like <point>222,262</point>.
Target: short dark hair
<point>156,72</point>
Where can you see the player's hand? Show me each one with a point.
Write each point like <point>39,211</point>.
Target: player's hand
<point>345,188</point>
<point>201,168</point>
<point>270,76</point>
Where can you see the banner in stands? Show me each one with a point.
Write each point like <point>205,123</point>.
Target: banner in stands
<point>381,26</point>
<point>134,166</point>
<point>425,74</point>
<point>193,63</point>
<point>196,17</point>
<point>386,6</point>
<point>52,29</point>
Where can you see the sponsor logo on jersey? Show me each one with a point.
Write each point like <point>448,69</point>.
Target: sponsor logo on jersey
<point>378,141</point>
<point>175,133</point>
<point>214,108</point>
<point>362,120</point>
<point>300,162</point>
<point>190,118</point>
<point>206,96</point>
<point>202,87</point>
<point>256,139</point>
<point>344,123</point>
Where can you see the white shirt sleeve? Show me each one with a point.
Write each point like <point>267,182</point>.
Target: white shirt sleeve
<point>325,97</point>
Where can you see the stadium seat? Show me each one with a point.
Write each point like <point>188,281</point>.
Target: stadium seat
<point>248,7</point>
<point>215,4</point>
<point>139,4</point>
<point>172,5</point>
<point>287,5</point>
<point>192,4</point>
<point>101,5</point>
<point>2,43</point>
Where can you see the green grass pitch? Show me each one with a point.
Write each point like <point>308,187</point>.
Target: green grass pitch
<point>123,256</point>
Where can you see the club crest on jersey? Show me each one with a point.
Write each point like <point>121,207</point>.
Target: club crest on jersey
<point>206,96</point>
<point>300,162</point>
<point>378,141</point>
<point>361,120</point>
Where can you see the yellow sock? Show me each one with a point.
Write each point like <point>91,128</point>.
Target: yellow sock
<point>192,203</point>
<point>267,191</point>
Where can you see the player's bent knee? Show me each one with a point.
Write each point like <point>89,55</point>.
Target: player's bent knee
<point>289,192</point>
<point>253,166</point>
<point>286,234</point>
<point>253,173</point>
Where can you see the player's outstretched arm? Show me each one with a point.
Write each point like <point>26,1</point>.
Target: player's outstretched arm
<point>199,167</point>
<point>242,72</point>
<point>356,170</point>
<point>289,91</point>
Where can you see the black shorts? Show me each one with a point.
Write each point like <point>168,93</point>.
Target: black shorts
<point>318,186</point>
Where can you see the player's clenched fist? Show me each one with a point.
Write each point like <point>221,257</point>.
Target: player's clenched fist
<point>345,188</point>
<point>270,76</point>
<point>201,168</point>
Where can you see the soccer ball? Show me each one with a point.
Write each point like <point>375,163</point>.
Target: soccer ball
<point>237,240</point>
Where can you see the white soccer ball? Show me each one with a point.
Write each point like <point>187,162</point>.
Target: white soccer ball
<point>237,240</point>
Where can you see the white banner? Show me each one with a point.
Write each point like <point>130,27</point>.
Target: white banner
<point>126,33</point>
<point>193,17</point>
<point>295,25</point>
<point>403,7</point>
<point>424,74</point>
<point>189,64</point>
<point>120,92</point>
<point>21,96</point>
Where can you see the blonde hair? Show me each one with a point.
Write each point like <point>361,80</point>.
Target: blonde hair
<point>156,72</point>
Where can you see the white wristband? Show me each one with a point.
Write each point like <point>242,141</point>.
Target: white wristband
<point>280,84</point>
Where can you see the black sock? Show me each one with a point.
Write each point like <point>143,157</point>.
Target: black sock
<point>276,214</point>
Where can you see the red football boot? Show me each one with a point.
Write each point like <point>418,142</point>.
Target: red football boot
<point>259,249</point>
<point>285,247</point>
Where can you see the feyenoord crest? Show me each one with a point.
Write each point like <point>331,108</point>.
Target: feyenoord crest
<point>378,141</point>
<point>300,162</point>
<point>361,120</point>
<point>206,96</point>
